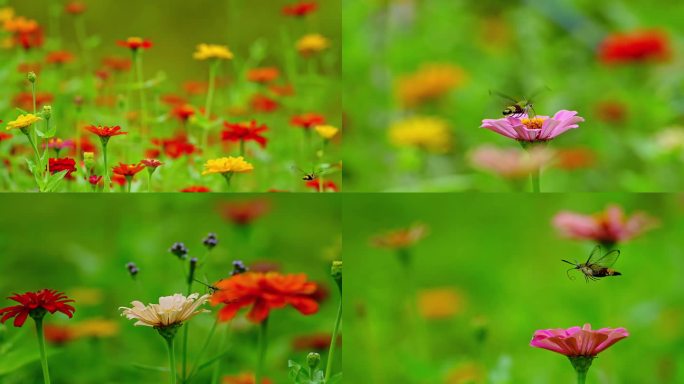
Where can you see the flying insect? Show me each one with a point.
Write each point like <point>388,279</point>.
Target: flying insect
<point>518,107</point>
<point>598,264</point>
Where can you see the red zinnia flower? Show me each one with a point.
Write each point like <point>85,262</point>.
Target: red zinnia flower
<point>63,164</point>
<point>75,8</point>
<point>245,132</point>
<point>300,9</point>
<point>58,334</point>
<point>196,188</point>
<point>183,112</point>
<point>328,186</point>
<point>59,57</point>
<point>244,212</point>
<point>636,46</point>
<point>118,179</point>
<point>4,136</point>
<point>128,170</point>
<point>307,120</point>
<point>315,341</point>
<point>135,43</point>
<point>282,90</point>
<point>24,100</point>
<point>117,64</point>
<point>261,103</point>
<point>95,180</point>
<point>105,132</point>
<point>26,33</point>
<point>32,303</point>
<point>263,75</point>
<point>176,147</point>
<point>195,87</point>
<point>264,292</point>
<point>151,163</point>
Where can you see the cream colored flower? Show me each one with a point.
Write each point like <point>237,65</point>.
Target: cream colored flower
<point>171,310</point>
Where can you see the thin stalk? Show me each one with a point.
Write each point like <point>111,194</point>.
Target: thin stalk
<point>242,147</point>
<point>172,359</point>
<point>184,355</point>
<point>143,103</point>
<point>261,356</point>
<point>581,377</point>
<point>333,342</point>
<point>149,182</point>
<point>41,346</point>
<point>107,186</point>
<point>210,99</point>
<point>228,176</point>
<point>199,356</point>
<point>535,175</point>
<point>217,366</point>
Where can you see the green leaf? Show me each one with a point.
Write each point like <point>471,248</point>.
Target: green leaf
<point>54,181</point>
<point>26,353</point>
<point>150,367</point>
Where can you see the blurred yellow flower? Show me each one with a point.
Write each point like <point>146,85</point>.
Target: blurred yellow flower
<point>96,328</point>
<point>440,303</point>
<point>212,51</point>
<point>85,295</point>
<point>430,82</point>
<point>312,43</point>
<point>467,373</point>
<point>326,131</point>
<point>427,133</point>
<point>227,164</point>
<point>23,121</point>
<point>6,14</point>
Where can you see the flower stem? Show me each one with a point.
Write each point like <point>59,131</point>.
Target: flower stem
<point>581,377</point>
<point>41,346</point>
<point>333,341</point>
<point>143,104</point>
<point>581,365</point>
<point>107,186</point>
<point>217,366</point>
<point>242,147</point>
<point>535,175</point>
<point>184,355</point>
<point>228,176</point>
<point>172,359</point>
<point>210,99</point>
<point>149,182</point>
<point>261,356</point>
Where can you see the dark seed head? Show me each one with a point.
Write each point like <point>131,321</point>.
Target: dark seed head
<point>210,241</point>
<point>179,250</point>
<point>238,268</point>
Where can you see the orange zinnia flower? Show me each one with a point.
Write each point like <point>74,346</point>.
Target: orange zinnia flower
<point>401,238</point>
<point>308,120</point>
<point>195,189</point>
<point>264,292</point>
<point>261,103</point>
<point>263,75</point>
<point>128,170</point>
<point>117,64</point>
<point>105,131</point>
<point>75,7</point>
<point>59,57</point>
<point>135,43</point>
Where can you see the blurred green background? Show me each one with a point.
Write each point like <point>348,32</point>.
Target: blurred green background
<point>80,245</point>
<point>514,47</point>
<point>501,257</point>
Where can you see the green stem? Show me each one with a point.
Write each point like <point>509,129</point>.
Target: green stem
<point>184,355</point>
<point>41,346</point>
<point>535,175</point>
<point>107,186</point>
<point>199,356</point>
<point>172,359</point>
<point>581,377</point>
<point>210,99</point>
<point>217,366</point>
<point>149,182</point>
<point>228,176</point>
<point>143,104</point>
<point>242,147</point>
<point>333,341</point>
<point>263,344</point>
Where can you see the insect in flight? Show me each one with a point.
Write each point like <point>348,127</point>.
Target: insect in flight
<point>517,107</point>
<point>212,288</point>
<point>307,176</point>
<point>598,265</point>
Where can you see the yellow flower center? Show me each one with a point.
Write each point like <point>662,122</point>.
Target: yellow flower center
<point>533,123</point>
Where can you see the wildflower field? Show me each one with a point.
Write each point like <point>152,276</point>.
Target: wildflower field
<point>557,96</point>
<point>477,296</point>
<point>242,290</point>
<point>204,96</point>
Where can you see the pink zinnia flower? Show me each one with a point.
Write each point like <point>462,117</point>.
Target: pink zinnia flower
<point>608,227</point>
<point>510,163</point>
<point>576,341</point>
<point>533,129</point>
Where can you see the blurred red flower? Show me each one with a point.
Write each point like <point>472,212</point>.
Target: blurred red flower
<point>176,147</point>
<point>613,112</point>
<point>63,164</point>
<point>315,341</point>
<point>246,211</point>
<point>307,120</point>
<point>574,158</point>
<point>103,131</point>
<point>243,378</point>
<point>25,32</point>
<point>183,112</point>
<point>58,334</point>
<point>173,100</point>
<point>59,57</point>
<point>151,163</point>
<point>300,9</point>
<point>4,136</point>
<point>245,132</point>
<point>94,179</point>
<point>24,100</point>
<point>264,292</point>
<point>128,170</point>
<point>195,87</point>
<point>196,188</point>
<point>328,186</point>
<point>120,180</point>
<point>262,103</point>
<point>75,7</point>
<point>636,46</point>
<point>31,302</point>
<point>25,68</point>
<point>117,64</point>
<point>282,90</point>
<point>135,43</point>
<point>263,75</point>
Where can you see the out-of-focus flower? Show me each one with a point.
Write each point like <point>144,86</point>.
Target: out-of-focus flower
<point>24,100</point>
<point>263,75</point>
<point>244,212</point>
<point>135,43</point>
<point>227,165</point>
<point>510,163</point>
<point>195,87</point>
<point>608,227</point>
<point>75,7</point>
<point>440,303</point>
<point>328,185</point>
<point>535,129</point>
<point>300,9</point>
<point>117,64</point>
<point>196,189</point>
<point>427,133</point>
<point>242,132</point>
<point>311,44</point>
<point>613,112</point>
<point>6,14</point>
<point>307,120</point>
<point>119,180</point>
<point>58,144</point>
<point>574,158</point>
<point>4,136</point>
<point>635,47</point>
<point>171,310</point>
<point>26,33</point>
<point>212,51</point>
<point>467,373</point>
<point>96,328</point>
<point>151,163</point>
<point>243,378</point>
<point>63,164</point>
<point>430,82</point>
<point>128,170</point>
<point>401,238</point>
<point>326,131</point>
<point>262,103</point>
<point>264,292</point>
<point>36,304</point>
<point>59,57</point>
<point>183,112</point>
<point>23,121</point>
<point>282,90</point>
<point>314,342</point>
<point>176,146</point>
<point>58,334</point>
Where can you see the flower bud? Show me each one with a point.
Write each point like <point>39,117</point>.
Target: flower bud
<point>336,273</point>
<point>313,359</point>
<point>210,241</point>
<point>238,268</point>
<point>132,269</point>
<point>179,250</point>
<point>193,266</point>
<point>89,159</point>
<point>32,77</point>
<point>47,112</point>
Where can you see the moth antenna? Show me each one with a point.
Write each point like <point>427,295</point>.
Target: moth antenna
<point>568,273</point>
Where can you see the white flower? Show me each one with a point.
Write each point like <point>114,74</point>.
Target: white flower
<point>170,310</point>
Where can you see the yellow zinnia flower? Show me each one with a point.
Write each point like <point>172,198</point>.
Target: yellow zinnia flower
<point>96,328</point>
<point>23,121</point>
<point>326,131</point>
<point>212,51</point>
<point>312,43</point>
<point>227,164</point>
<point>6,14</point>
<point>427,133</point>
